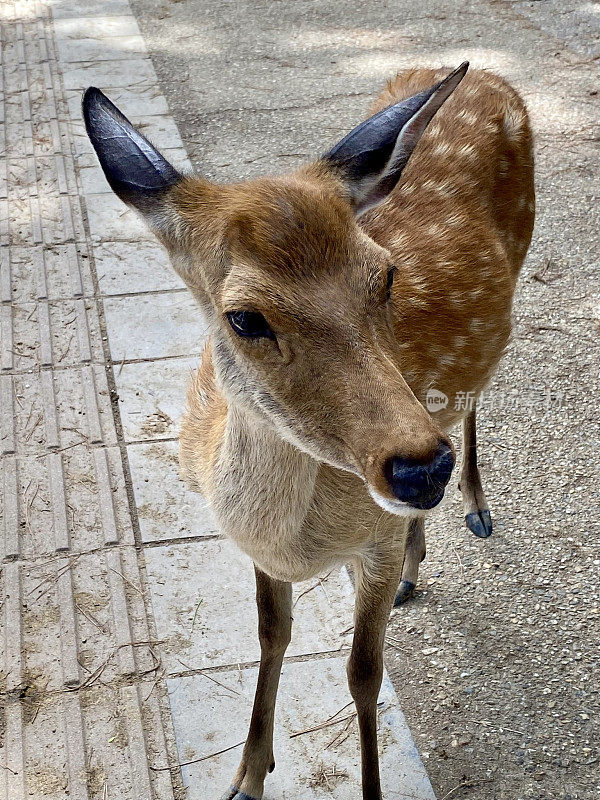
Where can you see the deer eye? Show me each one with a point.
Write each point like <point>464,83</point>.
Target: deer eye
<point>250,324</point>
<point>390,281</point>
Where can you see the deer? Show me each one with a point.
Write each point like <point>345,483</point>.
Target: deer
<point>336,297</point>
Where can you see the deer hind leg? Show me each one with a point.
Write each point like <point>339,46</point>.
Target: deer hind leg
<point>413,555</point>
<point>375,589</point>
<point>274,601</point>
<point>477,514</point>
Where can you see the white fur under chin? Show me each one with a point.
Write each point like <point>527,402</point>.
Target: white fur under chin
<point>397,507</point>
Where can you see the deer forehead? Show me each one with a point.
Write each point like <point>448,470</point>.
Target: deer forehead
<point>292,227</point>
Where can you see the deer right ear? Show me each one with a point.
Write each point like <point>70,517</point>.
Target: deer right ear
<point>135,170</point>
<point>371,158</point>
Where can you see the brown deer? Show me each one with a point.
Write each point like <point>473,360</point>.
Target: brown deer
<point>337,297</point>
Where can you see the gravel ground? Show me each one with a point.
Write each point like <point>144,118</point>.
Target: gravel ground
<point>496,659</point>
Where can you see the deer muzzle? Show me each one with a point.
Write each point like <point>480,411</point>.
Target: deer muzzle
<point>420,485</point>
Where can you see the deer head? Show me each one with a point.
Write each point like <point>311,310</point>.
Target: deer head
<point>298,298</point>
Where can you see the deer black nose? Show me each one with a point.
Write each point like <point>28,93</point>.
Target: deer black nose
<point>420,485</point>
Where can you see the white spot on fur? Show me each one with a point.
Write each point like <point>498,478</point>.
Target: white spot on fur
<point>410,260</point>
<point>513,123</point>
<point>430,185</point>
<point>419,302</point>
<point>500,252</point>
<point>457,299</point>
<point>442,149</point>
<point>467,151</point>
<point>456,221</point>
<point>447,188</point>
<point>400,240</point>
<point>447,359</point>
<point>467,116</point>
<point>477,325</point>
<point>435,229</point>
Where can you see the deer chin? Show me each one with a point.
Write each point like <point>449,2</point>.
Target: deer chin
<point>399,508</point>
<point>317,451</point>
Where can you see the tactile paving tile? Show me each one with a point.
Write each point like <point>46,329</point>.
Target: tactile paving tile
<point>82,698</point>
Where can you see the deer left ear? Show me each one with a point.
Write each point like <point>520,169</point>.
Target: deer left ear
<point>134,168</point>
<point>372,156</point>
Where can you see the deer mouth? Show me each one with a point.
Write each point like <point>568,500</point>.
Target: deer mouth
<point>403,509</point>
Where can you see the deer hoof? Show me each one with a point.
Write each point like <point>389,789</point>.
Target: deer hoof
<point>404,593</point>
<point>233,794</point>
<point>480,523</point>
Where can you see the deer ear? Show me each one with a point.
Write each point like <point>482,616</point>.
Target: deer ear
<point>372,156</point>
<point>135,170</point>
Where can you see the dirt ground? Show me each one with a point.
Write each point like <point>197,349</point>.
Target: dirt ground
<point>496,659</point>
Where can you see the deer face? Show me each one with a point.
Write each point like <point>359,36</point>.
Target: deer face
<point>298,298</point>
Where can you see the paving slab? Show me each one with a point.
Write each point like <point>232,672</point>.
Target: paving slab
<point>73,49</point>
<point>68,9</point>
<point>151,396</point>
<point>313,765</point>
<point>83,714</point>
<point>166,509</point>
<point>38,272</point>
<point>122,73</point>
<point>110,220</point>
<point>208,623</point>
<point>157,325</point>
<point>125,267</point>
<point>98,27</point>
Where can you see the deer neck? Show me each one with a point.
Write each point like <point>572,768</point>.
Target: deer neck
<point>262,490</point>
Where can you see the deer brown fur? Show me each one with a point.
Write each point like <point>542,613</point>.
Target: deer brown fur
<point>290,435</point>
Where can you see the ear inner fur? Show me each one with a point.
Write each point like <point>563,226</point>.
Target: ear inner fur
<point>373,155</point>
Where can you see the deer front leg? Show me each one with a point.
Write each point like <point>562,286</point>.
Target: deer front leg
<point>375,589</point>
<point>274,601</point>
<point>477,514</point>
<point>413,555</point>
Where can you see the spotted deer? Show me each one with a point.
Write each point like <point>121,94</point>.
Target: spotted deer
<point>337,297</point>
